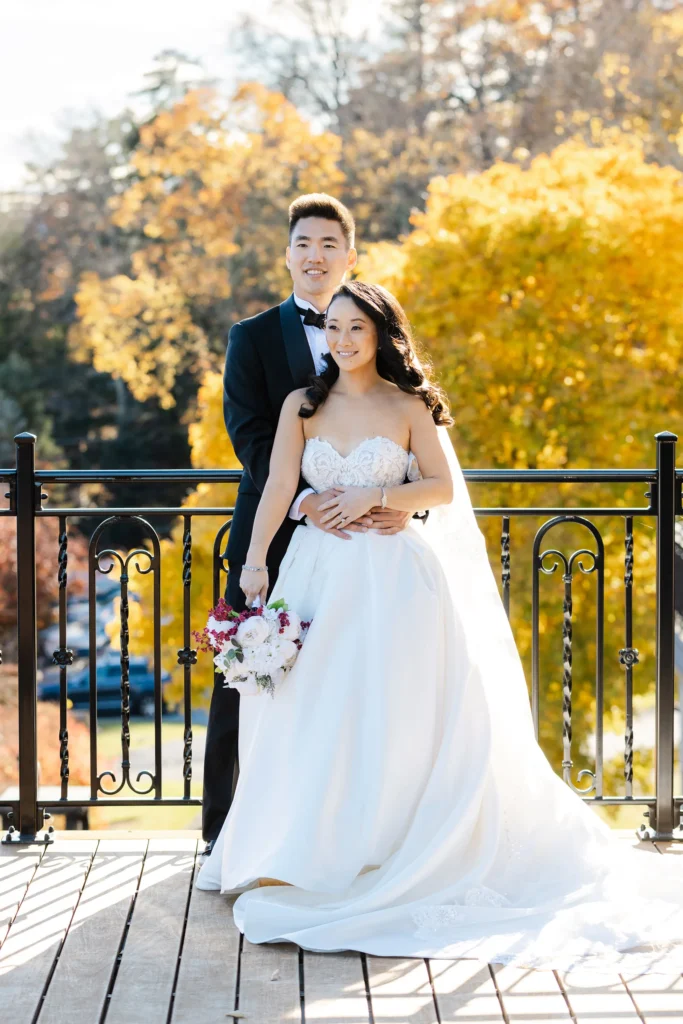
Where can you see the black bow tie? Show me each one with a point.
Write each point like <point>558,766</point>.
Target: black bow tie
<point>311,318</point>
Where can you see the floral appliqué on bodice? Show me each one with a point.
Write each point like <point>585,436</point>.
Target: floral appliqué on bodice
<point>375,462</point>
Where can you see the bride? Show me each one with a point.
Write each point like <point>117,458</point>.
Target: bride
<point>392,798</point>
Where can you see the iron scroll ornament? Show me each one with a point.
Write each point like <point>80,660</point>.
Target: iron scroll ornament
<point>96,565</point>
<point>595,565</point>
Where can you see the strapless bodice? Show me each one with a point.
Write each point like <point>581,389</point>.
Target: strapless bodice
<point>374,462</point>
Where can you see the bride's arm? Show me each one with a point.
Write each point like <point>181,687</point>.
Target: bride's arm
<point>435,487</point>
<point>280,488</point>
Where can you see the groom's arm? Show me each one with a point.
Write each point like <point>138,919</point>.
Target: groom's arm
<point>246,406</point>
<point>247,410</point>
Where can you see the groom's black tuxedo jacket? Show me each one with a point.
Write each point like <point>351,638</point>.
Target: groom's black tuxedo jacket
<point>268,357</point>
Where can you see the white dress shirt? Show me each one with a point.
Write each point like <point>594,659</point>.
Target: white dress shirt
<point>317,342</point>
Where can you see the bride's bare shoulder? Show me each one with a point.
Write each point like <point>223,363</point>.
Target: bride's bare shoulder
<point>412,405</point>
<point>292,404</point>
<point>294,399</point>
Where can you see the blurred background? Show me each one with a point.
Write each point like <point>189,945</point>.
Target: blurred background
<point>515,173</point>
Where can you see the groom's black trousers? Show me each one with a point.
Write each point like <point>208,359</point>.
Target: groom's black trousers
<point>221,765</point>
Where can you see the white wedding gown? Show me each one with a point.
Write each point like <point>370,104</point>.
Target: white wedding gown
<point>394,780</point>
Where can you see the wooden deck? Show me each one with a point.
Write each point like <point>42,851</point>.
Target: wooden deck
<point>99,927</point>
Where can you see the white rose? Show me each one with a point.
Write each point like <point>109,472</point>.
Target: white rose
<point>286,651</point>
<point>252,632</point>
<point>257,659</point>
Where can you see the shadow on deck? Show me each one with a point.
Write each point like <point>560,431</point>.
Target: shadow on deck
<point>108,927</point>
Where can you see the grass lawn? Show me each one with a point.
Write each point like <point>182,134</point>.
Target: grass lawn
<point>142,737</point>
<point>141,734</point>
<point>140,818</point>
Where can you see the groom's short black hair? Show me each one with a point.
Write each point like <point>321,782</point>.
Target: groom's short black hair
<point>319,204</point>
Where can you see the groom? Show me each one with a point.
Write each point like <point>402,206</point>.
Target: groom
<point>268,356</point>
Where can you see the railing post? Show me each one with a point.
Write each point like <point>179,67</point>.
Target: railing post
<point>662,817</point>
<point>26,497</point>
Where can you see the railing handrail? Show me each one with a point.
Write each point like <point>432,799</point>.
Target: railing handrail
<point>481,475</point>
<point>234,475</point>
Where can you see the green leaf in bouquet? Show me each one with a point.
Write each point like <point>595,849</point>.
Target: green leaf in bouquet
<point>280,605</point>
<point>266,683</point>
<point>239,656</point>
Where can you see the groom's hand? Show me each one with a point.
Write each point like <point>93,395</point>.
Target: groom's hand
<point>310,507</point>
<point>388,520</point>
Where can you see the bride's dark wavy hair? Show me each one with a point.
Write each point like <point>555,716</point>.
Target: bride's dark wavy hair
<point>397,360</point>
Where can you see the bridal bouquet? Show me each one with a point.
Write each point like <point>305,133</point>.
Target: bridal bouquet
<point>256,648</point>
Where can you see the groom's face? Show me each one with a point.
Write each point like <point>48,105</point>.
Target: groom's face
<point>318,256</point>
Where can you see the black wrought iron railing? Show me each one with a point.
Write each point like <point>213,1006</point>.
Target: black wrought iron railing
<point>25,497</point>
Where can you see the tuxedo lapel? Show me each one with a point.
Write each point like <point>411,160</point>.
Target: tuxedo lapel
<point>298,351</point>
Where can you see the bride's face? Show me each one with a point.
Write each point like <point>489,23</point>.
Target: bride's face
<point>351,335</point>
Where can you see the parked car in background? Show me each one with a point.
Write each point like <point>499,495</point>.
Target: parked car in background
<point>108,687</point>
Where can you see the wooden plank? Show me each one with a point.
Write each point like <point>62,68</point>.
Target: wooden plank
<point>644,845</point>
<point>18,865</point>
<point>79,986</point>
<point>269,983</point>
<point>131,833</point>
<point>530,996</point>
<point>657,997</point>
<point>595,997</point>
<point>465,991</point>
<point>334,988</point>
<point>205,990</point>
<point>400,991</point>
<point>675,849</point>
<point>144,983</point>
<point>37,933</point>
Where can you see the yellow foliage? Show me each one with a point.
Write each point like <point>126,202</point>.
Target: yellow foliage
<point>213,182</point>
<point>544,298</point>
<point>211,449</point>
<point>137,329</point>
<point>544,295</point>
<point>209,442</point>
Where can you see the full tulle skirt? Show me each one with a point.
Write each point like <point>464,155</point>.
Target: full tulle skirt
<point>368,784</point>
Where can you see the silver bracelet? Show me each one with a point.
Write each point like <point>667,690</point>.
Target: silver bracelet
<point>255,568</point>
<point>384,498</point>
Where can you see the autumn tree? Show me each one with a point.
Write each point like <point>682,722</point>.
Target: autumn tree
<point>210,449</point>
<point>61,229</point>
<point>624,70</point>
<point>483,80</point>
<point>213,182</point>
<point>57,230</point>
<point>542,297</point>
<point>313,67</point>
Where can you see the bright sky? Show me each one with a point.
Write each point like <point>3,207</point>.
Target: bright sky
<point>59,58</point>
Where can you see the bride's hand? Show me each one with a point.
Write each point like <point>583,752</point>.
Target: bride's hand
<point>349,504</point>
<point>254,584</point>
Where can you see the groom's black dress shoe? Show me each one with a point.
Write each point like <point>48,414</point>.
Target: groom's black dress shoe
<point>206,852</point>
